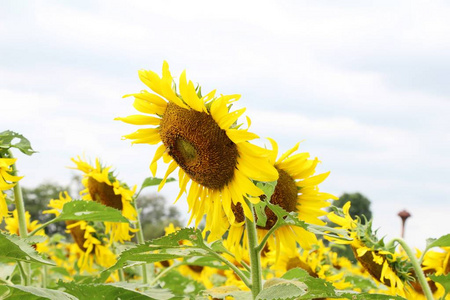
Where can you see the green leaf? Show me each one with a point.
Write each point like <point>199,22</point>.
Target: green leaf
<point>267,187</point>
<point>365,296</point>
<point>217,246</point>
<point>20,292</point>
<point>181,285</point>
<point>90,211</point>
<point>6,142</point>
<point>278,288</point>
<point>205,261</point>
<point>317,288</point>
<point>13,247</point>
<point>360,282</point>
<point>444,280</point>
<point>152,181</point>
<point>230,291</point>
<point>164,248</point>
<point>443,241</point>
<point>112,291</point>
<point>260,209</point>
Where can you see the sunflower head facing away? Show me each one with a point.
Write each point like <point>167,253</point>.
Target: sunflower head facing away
<point>103,187</point>
<point>200,135</point>
<point>380,262</point>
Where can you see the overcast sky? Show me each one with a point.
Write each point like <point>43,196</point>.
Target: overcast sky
<point>365,85</point>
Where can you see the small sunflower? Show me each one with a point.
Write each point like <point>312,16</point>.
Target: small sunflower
<point>7,181</point>
<point>200,135</point>
<point>89,247</point>
<point>297,191</point>
<point>12,226</point>
<point>102,186</point>
<point>383,265</point>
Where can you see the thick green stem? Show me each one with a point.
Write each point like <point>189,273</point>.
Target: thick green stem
<point>20,208</point>
<point>417,269</point>
<point>255,259</point>
<point>121,275</point>
<point>141,240</point>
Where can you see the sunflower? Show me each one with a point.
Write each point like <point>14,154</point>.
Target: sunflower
<point>296,191</point>
<point>89,247</point>
<point>7,181</point>
<point>12,226</point>
<point>102,186</point>
<point>200,135</point>
<point>383,265</point>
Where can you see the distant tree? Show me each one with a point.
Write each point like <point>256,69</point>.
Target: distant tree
<point>155,215</point>
<point>360,205</point>
<point>37,199</point>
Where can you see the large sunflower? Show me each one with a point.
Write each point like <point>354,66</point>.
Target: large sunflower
<point>102,186</point>
<point>297,191</point>
<point>200,135</point>
<point>7,181</point>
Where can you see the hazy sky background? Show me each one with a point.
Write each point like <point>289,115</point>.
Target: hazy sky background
<point>365,84</point>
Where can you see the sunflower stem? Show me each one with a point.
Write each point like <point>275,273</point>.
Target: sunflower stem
<point>43,226</point>
<point>267,236</point>
<point>121,275</point>
<point>231,266</point>
<point>163,273</point>
<point>255,259</point>
<point>418,270</point>
<point>140,239</point>
<point>23,232</point>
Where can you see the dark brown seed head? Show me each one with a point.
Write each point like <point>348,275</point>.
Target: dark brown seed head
<point>372,267</point>
<point>199,146</point>
<point>196,269</point>
<point>104,194</point>
<point>77,235</point>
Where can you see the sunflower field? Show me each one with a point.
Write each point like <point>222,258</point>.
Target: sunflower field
<point>259,227</point>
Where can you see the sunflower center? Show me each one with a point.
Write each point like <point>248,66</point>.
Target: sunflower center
<point>285,195</point>
<point>374,269</point>
<point>199,146</point>
<point>104,194</point>
<point>78,235</point>
<point>196,269</point>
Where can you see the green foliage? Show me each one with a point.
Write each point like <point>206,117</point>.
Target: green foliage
<point>279,288</point>
<point>7,139</point>
<point>224,291</point>
<point>444,280</point>
<point>14,248</point>
<point>20,292</point>
<point>181,286</point>
<point>90,211</point>
<point>360,205</point>
<point>152,181</point>
<point>164,248</point>
<point>113,291</point>
<point>443,241</point>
